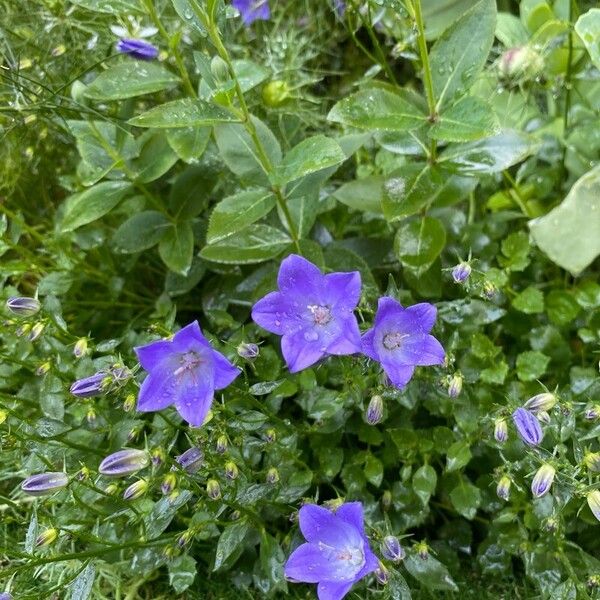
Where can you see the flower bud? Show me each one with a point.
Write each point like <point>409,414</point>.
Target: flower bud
<point>332,504</point>
<point>222,444</point>
<point>157,457</point>
<point>520,62</point>
<point>382,574</point>
<point>184,539</point>
<point>500,430</point>
<point>191,460</point>
<point>136,490</point>
<point>593,500</point>
<point>43,368</point>
<point>82,474</point>
<point>489,290</point>
<point>5,596</point>
<point>592,461</point>
<point>213,489</point>
<point>270,436</point>
<point>120,373</point>
<point>124,462</point>
<point>543,417</point>
<point>235,515</point>
<point>391,549</point>
<point>134,432</point>
<point>3,416</point>
<point>374,413</point>
<point>129,403</point>
<point>81,348</point>
<point>592,583</point>
<point>541,402</point>
<point>386,500</point>
<point>90,415</point>
<point>44,483</point>
<point>422,550</point>
<point>592,413</point>
<point>23,329</point>
<point>542,480</point>
<point>111,489</point>
<point>24,307</point>
<point>46,537</point>
<point>461,272</point>
<point>231,470</point>
<point>89,386</point>
<point>503,488</point>
<point>59,50</point>
<point>455,387</point>
<point>275,93</point>
<point>36,331</point>
<point>248,351</point>
<point>272,475</point>
<point>169,482</point>
<point>528,427</point>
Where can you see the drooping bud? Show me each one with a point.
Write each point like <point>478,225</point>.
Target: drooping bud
<point>157,457</point>
<point>592,461</point>
<point>542,480</point>
<point>382,574</point>
<point>374,413</point>
<point>500,430</point>
<point>124,462</point>
<point>386,500</point>
<point>136,490</point>
<point>213,489</point>
<point>391,549</point>
<point>44,483</point>
<point>248,351</point>
<point>46,537</point>
<point>22,306</point>
<point>81,348</point>
<point>89,386</point>
<point>191,460</point>
<point>593,500</point>
<point>272,475</point>
<point>270,436</point>
<point>592,413</point>
<point>461,272</point>
<point>503,487</point>
<point>489,290</point>
<point>528,427</point>
<point>455,386</point>
<point>36,331</point>
<point>43,368</point>
<point>422,550</point>
<point>168,484</point>
<point>222,444</point>
<point>541,402</point>
<point>231,470</point>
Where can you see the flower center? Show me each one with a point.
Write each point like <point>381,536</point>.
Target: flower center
<point>321,314</point>
<point>188,362</point>
<point>353,556</point>
<point>393,340</point>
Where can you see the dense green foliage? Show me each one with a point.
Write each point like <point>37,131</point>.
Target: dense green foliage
<point>397,138</point>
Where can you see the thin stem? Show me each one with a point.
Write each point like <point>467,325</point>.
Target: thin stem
<point>517,197</point>
<point>567,106</point>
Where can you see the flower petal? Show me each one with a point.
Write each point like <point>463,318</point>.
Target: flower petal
<point>189,338</point>
<point>342,290</point>
<point>195,392</point>
<point>224,371</point>
<point>153,354</point>
<point>371,561</point>
<point>301,349</point>
<point>420,349</point>
<point>398,374</point>
<point>158,391</point>
<point>367,345</point>
<point>348,341</point>
<point>307,563</point>
<point>424,315</point>
<point>387,308</point>
<point>333,590</point>
<point>352,513</point>
<point>320,525</point>
<point>299,276</point>
<point>276,314</point>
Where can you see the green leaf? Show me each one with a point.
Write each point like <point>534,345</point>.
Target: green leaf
<point>186,112</point>
<point>466,499</point>
<point>424,481</point>
<point>377,109</point>
<point>303,211</point>
<point>397,588</point>
<point>439,14</point>
<point>93,203</point>
<point>140,232</point>
<point>236,212</point>
<point>461,52</point>
<point>309,156</point>
<point>155,159</point>
<point>529,301</point>
<point>431,573</point>
<point>189,143</point>
<point>490,155</point>
<point>458,456</point>
<point>111,7</point>
<point>496,374</point>
<point>510,31</point>
<point>253,244</point>
<point>81,587</point>
<point>562,308</point>
<point>176,247</point>
<point>163,512</point>
<point>231,539</point>
<point>534,13</point>
<point>182,572</point>
<point>364,194</point>
<point>419,242</point>
<point>191,191</point>
<point>515,249</point>
<point>468,119</point>
<point>248,73</point>
<point>129,79</point>
<point>570,233</point>
<point>373,470</point>
<point>272,560</point>
<point>185,9</point>
<point>588,29</point>
<point>531,365</point>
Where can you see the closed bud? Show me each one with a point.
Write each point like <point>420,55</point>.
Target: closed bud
<point>592,583</point>
<point>592,412</point>
<point>374,413</point>
<point>81,348</point>
<point>521,62</point>
<point>91,415</point>
<point>541,402</point>
<point>124,462</point>
<point>500,430</point>
<point>191,460</point>
<point>551,524</point>
<point>542,480</point>
<point>157,457</point>
<point>59,50</point>
<point>592,461</point>
<point>543,417</point>
<point>168,484</point>
<point>82,474</point>
<point>136,490</point>
<point>44,483</point>
<point>270,436</point>
<point>170,552</point>
<point>461,272</point>
<point>89,386</point>
<point>503,487</point>
<point>23,329</point>
<point>213,489</point>
<point>134,432</point>
<point>275,93</point>
<point>272,475</point>
<point>332,504</point>
<point>3,416</point>
<point>184,539</point>
<point>235,515</point>
<point>46,538</point>
<point>24,307</point>
<point>382,574</point>
<point>43,369</point>
<point>129,403</point>
<point>489,290</point>
<point>422,550</point>
<point>248,351</point>
<point>111,489</point>
<point>593,500</point>
<point>455,386</point>
<point>391,549</point>
<point>528,427</point>
<point>231,470</point>
<point>222,444</point>
<point>36,331</point>
<point>386,500</point>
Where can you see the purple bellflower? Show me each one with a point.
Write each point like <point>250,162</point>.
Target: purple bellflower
<point>184,371</point>
<point>400,339</point>
<point>528,427</point>
<point>137,48</point>
<point>313,312</point>
<point>23,306</point>
<point>336,554</point>
<point>44,483</point>
<point>253,10</point>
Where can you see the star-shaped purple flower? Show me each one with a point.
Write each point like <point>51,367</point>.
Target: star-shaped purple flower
<point>184,371</point>
<point>337,553</point>
<point>253,10</point>
<point>313,312</point>
<point>400,339</point>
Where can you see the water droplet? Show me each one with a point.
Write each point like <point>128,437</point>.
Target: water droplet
<point>311,336</point>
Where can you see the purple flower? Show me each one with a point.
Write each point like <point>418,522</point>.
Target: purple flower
<point>184,371</point>
<point>312,312</point>
<point>22,306</point>
<point>500,430</point>
<point>137,48</point>
<point>542,480</point>
<point>5,596</point>
<point>253,10</point>
<point>337,553</point>
<point>89,386</point>
<point>375,410</point>
<point>124,462</point>
<point>44,483</point>
<point>391,548</point>
<point>191,460</point>
<point>461,272</point>
<point>400,339</point>
<point>528,427</point>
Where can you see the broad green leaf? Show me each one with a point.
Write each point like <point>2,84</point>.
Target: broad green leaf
<point>562,307</point>
<point>155,159</point>
<point>140,232</point>
<point>129,79</point>
<point>458,456</point>
<point>419,242</point>
<point>424,481</point>
<point>570,233</point>
<point>236,212</point>
<point>111,7</point>
<point>377,109</point>
<point>231,539</point>
<point>490,155</point>
<point>189,142</point>
<point>81,587</point>
<point>303,210</point>
<point>176,247</point>
<point>466,499</point>
<point>272,559</point>
<point>534,13</point>
<point>431,573</point>
<point>182,572</point>
<point>253,244</point>
<point>459,55</point>
<point>373,470</point>
<point>364,194</point>
<point>510,31</point>
<point>249,74</point>
<point>185,9</point>
<point>438,15</point>
<point>468,119</point>
<point>191,191</point>
<point>588,29</point>
<point>531,365</point>
<point>515,250</point>
<point>397,588</point>
<point>310,155</point>
<point>529,301</point>
<point>93,203</point>
<point>186,112</point>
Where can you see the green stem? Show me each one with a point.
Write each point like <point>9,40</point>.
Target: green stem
<point>516,193</point>
<point>567,106</point>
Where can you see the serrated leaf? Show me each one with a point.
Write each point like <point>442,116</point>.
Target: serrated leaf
<point>176,247</point>
<point>469,119</point>
<point>419,242</point>
<point>186,112</point>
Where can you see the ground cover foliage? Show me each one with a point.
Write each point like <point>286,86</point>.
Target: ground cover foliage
<point>446,151</point>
